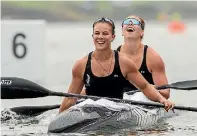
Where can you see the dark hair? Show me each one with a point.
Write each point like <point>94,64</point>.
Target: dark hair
<point>106,20</point>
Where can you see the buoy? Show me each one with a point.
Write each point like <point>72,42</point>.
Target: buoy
<point>176,27</point>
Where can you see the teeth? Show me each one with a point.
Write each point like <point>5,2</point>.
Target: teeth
<point>130,29</point>
<point>100,42</point>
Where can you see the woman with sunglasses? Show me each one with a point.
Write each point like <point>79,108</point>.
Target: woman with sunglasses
<point>104,71</point>
<point>148,62</point>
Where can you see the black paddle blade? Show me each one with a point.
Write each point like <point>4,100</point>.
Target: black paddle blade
<point>182,85</point>
<point>18,88</point>
<point>33,110</point>
<point>36,110</point>
<point>185,85</point>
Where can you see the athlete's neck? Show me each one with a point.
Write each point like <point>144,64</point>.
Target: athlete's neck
<point>103,55</point>
<point>132,46</point>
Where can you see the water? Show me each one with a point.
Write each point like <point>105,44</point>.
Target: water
<point>68,42</point>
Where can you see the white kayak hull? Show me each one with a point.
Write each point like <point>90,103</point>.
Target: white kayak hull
<point>92,115</point>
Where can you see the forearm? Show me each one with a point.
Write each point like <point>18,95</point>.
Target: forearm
<point>152,94</point>
<point>67,103</point>
<point>165,93</point>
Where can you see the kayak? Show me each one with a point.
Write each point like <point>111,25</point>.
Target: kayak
<point>91,115</point>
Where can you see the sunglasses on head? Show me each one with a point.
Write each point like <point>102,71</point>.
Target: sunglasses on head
<point>132,21</point>
<point>104,19</point>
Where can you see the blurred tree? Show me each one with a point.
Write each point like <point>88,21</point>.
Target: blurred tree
<point>104,7</point>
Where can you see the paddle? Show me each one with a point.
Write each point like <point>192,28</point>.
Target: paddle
<point>33,110</point>
<point>182,85</point>
<point>18,88</point>
<point>36,110</point>
<point>22,88</point>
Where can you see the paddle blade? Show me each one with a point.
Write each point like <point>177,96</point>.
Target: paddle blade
<point>18,88</point>
<point>182,85</point>
<point>33,110</point>
<point>185,85</point>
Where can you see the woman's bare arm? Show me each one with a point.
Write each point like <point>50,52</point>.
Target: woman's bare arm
<point>75,87</point>
<point>132,74</point>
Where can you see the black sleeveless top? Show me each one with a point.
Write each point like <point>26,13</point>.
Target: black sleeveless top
<point>143,70</point>
<point>109,86</point>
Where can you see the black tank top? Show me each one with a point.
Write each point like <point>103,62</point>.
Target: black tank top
<point>109,86</point>
<point>143,70</point>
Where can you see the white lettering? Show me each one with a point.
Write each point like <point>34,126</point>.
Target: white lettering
<point>6,82</point>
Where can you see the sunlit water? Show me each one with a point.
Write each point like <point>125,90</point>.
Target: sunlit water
<point>68,42</point>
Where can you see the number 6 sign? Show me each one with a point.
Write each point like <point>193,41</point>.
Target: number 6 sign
<point>16,44</point>
<point>23,49</point>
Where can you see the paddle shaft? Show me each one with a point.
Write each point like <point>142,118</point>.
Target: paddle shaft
<point>120,100</point>
<point>36,110</point>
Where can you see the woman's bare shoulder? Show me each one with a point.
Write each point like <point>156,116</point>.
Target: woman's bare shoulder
<point>124,59</point>
<point>79,66</point>
<point>126,64</point>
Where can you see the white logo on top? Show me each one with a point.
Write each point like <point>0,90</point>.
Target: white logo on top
<point>88,80</point>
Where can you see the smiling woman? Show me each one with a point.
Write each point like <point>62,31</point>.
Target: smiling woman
<point>148,61</point>
<point>103,32</point>
<point>104,71</point>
